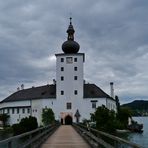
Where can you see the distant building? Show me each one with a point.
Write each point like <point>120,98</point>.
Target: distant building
<point>69,97</point>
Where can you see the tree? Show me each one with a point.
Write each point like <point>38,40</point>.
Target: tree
<point>105,119</point>
<point>47,116</point>
<point>117,103</point>
<point>4,118</point>
<point>123,115</point>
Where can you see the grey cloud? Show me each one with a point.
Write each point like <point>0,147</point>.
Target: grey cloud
<point>113,34</point>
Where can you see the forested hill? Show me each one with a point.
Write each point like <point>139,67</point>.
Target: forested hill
<point>139,107</point>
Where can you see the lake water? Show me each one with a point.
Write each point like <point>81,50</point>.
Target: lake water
<point>141,139</point>
<point>138,138</point>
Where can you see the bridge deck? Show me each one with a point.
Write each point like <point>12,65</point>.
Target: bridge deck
<point>65,137</point>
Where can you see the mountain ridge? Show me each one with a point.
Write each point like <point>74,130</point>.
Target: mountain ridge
<point>138,107</point>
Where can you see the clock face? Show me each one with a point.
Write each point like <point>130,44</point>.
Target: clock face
<point>69,60</point>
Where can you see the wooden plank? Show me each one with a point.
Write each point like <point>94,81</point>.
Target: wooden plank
<point>65,137</point>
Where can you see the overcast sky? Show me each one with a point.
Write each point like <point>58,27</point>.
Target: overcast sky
<point>113,34</point>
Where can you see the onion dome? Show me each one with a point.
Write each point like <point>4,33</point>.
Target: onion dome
<point>70,46</point>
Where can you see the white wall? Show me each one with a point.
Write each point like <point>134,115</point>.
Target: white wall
<point>69,84</point>
<point>111,105</point>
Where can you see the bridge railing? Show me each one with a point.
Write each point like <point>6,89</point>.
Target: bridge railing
<point>103,140</point>
<point>32,139</point>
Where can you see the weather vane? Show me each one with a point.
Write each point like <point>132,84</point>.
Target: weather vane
<point>70,18</point>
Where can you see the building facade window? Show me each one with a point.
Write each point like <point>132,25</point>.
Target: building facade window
<point>75,77</point>
<point>62,59</point>
<point>5,111</point>
<point>62,78</point>
<point>62,92</point>
<point>75,59</point>
<point>8,111</point>
<point>23,110</point>
<point>93,104</point>
<point>28,110</point>
<point>75,68</point>
<point>17,110</point>
<point>68,105</point>
<point>13,110</point>
<point>62,68</point>
<point>75,92</point>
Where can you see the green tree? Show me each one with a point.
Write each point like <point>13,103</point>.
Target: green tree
<point>105,119</point>
<point>4,118</point>
<point>47,116</point>
<point>117,103</point>
<point>123,115</point>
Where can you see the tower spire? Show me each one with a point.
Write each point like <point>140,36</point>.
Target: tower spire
<point>70,31</point>
<point>70,46</point>
<point>70,20</point>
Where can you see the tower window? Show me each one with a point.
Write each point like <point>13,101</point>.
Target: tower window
<point>68,105</point>
<point>75,92</point>
<point>75,59</point>
<point>62,92</point>
<point>62,68</point>
<point>62,78</point>
<point>75,68</point>
<point>75,78</point>
<point>62,59</point>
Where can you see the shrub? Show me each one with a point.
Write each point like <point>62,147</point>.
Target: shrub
<point>4,119</point>
<point>26,124</point>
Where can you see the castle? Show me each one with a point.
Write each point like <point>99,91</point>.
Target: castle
<point>70,98</point>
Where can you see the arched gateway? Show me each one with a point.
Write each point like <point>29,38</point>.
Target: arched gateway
<point>68,120</point>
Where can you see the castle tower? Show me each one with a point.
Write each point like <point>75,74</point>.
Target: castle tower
<point>69,74</point>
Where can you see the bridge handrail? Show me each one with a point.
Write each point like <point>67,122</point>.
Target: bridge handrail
<point>43,129</point>
<point>114,138</point>
<point>24,134</point>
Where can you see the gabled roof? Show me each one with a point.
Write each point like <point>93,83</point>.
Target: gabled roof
<point>49,91</point>
<point>93,91</point>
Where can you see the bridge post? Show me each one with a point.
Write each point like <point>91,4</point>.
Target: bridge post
<point>10,144</point>
<point>30,137</point>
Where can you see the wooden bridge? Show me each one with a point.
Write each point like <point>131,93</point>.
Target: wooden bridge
<point>66,136</point>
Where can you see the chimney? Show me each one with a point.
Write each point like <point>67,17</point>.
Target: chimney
<point>22,86</point>
<point>112,89</point>
<point>54,81</point>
